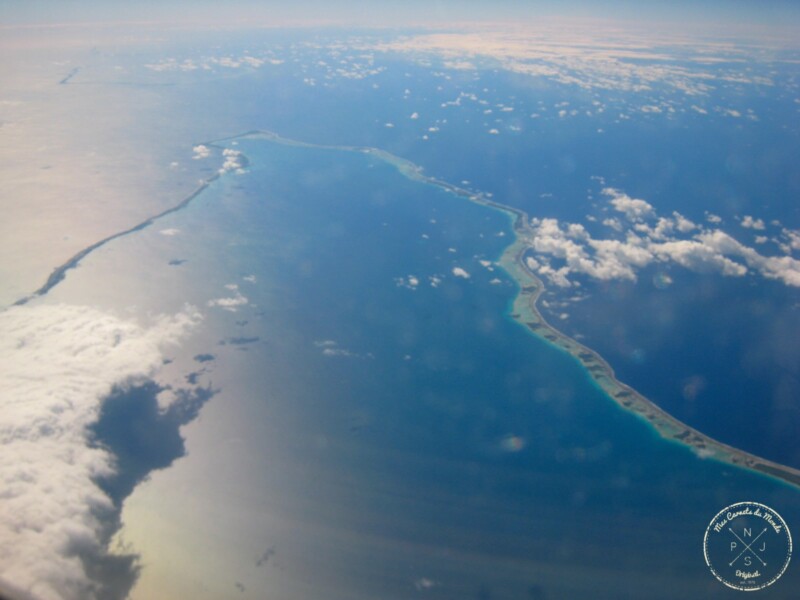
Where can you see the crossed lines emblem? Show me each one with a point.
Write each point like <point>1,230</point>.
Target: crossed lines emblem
<point>747,547</point>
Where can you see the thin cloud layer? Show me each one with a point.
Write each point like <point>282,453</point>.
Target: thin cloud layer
<point>57,364</point>
<point>564,250</point>
<point>232,303</point>
<point>332,348</point>
<point>580,56</point>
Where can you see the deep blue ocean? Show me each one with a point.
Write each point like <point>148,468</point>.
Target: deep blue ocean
<point>424,416</point>
<point>410,436</point>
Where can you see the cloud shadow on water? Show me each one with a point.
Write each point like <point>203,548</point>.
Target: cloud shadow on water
<point>143,439</point>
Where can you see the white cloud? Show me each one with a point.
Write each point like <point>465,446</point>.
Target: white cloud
<point>613,222</point>
<point>233,161</point>
<point>414,116</point>
<point>783,268</point>
<point>201,151</point>
<point>336,352</point>
<point>57,363</point>
<point>614,259</point>
<point>556,276</point>
<point>698,256</point>
<point>580,56</point>
<point>253,61</point>
<point>459,272</point>
<point>231,303</point>
<point>563,250</point>
<point>170,232</point>
<point>332,348</point>
<point>423,583</point>
<point>751,223</point>
<point>683,224</point>
<point>227,61</point>
<point>793,239</point>
<point>411,282</point>
<point>633,208</point>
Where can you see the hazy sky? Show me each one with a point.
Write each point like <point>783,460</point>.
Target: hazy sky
<point>371,12</point>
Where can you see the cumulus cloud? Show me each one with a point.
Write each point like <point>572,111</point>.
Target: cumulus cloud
<point>410,282</point>
<point>792,238</point>
<point>57,365</point>
<point>459,272</point>
<point>751,223</point>
<point>783,268</point>
<point>683,224</point>
<point>233,161</point>
<point>201,151</point>
<point>562,250</point>
<point>633,208</point>
<point>698,256</point>
<point>580,253</point>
